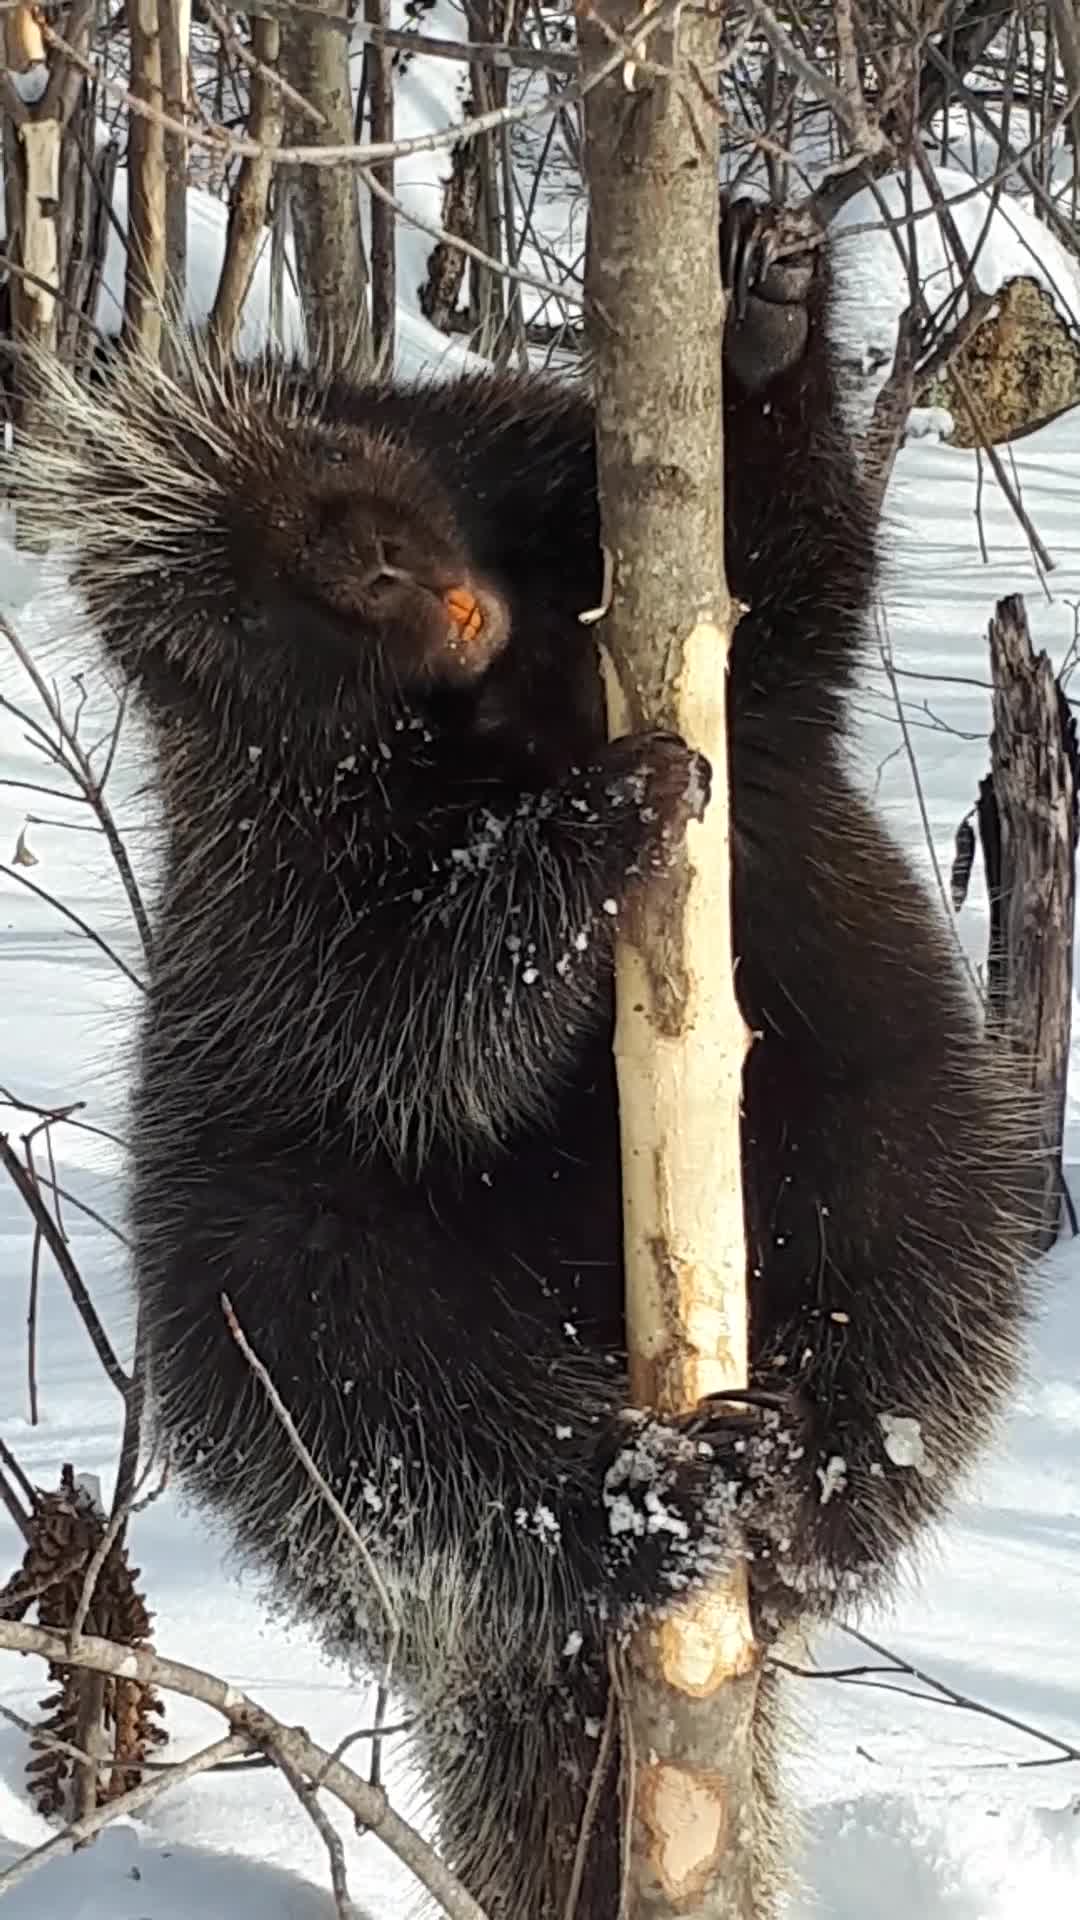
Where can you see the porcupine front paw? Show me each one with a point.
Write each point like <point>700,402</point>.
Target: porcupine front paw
<point>768,262</point>
<point>644,789</point>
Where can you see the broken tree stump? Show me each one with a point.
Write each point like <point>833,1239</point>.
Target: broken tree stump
<point>1027,817</point>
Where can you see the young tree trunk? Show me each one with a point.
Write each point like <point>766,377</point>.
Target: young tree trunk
<point>325,209</point>
<point>147,232</point>
<point>175,55</point>
<point>655,312</point>
<point>40,191</point>
<point>379,69</point>
<point>250,197</point>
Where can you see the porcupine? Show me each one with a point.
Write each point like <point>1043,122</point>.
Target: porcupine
<point>375,1099</point>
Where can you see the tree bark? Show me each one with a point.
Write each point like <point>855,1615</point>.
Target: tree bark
<point>379,64</point>
<point>147,234</point>
<point>250,197</point>
<point>326,228</point>
<point>40,193</point>
<point>655,311</point>
<point>175,54</point>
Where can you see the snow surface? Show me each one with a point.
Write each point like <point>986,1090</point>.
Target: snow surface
<point>912,1808</point>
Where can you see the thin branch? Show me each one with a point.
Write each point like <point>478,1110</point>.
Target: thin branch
<point>219,141</point>
<point>148,1790</point>
<point>885,649</point>
<point>553,291</point>
<point>345,1522</point>
<point>76,921</point>
<point>308,1797</point>
<point>124,1505</point>
<point>8,1494</point>
<point>61,1253</point>
<point>79,764</point>
<point>963,1700</point>
<point>368,1805</point>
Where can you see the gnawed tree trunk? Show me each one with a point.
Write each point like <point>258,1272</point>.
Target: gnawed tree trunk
<point>327,235</point>
<point>1028,827</point>
<point>656,313</point>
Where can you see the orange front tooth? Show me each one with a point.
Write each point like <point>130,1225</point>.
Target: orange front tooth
<point>465,611</point>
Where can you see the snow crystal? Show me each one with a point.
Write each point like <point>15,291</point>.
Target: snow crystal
<point>903,1442</point>
<point>833,1477</point>
<point>663,1519</point>
<point>623,1516</point>
<point>541,1522</point>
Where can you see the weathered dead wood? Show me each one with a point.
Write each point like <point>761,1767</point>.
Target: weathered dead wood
<point>1028,827</point>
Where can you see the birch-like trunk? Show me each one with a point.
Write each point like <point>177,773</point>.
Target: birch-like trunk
<point>655,311</point>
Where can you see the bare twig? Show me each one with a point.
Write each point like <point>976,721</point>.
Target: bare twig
<point>77,762</point>
<point>308,1796</point>
<point>885,649</point>
<point>76,921</point>
<point>133,1801</point>
<point>367,1804</point>
<point>8,1494</point>
<point>219,141</point>
<point>344,1520</point>
<point>572,296</point>
<point>876,1677</point>
<point>61,1253</point>
<point>124,1505</point>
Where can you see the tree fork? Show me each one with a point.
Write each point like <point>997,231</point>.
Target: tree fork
<point>655,309</point>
